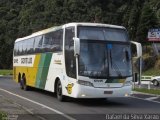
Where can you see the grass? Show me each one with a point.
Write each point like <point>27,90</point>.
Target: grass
<point>151,91</point>
<point>6,72</point>
<point>3,116</point>
<point>152,72</point>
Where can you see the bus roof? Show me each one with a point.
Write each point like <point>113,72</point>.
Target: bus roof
<point>94,24</point>
<point>68,25</point>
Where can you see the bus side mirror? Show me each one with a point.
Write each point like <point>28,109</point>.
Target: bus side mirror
<point>76,46</point>
<point>138,48</point>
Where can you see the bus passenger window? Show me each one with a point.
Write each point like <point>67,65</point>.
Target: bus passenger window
<point>20,48</point>
<point>47,42</point>
<point>38,44</point>
<point>30,45</point>
<point>58,38</point>
<point>16,49</point>
<point>53,41</point>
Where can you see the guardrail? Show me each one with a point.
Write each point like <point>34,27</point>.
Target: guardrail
<point>146,78</point>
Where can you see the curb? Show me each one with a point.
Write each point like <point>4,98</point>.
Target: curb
<point>135,92</point>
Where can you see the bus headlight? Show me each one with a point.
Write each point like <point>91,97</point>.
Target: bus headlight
<point>85,83</point>
<point>127,83</point>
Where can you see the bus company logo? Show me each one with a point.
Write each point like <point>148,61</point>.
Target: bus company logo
<point>26,60</point>
<point>69,88</point>
<point>15,61</point>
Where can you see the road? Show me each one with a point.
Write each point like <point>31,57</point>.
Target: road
<point>46,106</point>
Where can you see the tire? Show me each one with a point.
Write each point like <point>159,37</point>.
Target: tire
<point>60,96</point>
<point>155,83</point>
<point>23,84</point>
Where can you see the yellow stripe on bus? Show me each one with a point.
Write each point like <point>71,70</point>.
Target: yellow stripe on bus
<point>32,71</point>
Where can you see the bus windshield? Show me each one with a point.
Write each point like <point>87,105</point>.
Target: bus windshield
<point>103,58</point>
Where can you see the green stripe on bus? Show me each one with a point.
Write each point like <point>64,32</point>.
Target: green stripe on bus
<point>43,68</point>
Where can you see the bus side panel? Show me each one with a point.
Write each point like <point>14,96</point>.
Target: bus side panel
<point>32,71</point>
<point>55,71</point>
<point>43,70</point>
<point>15,73</point>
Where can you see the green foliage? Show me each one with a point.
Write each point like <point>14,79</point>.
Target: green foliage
<point>148,20</point>
<point>6,72</point>
<point>3,115</point>
<point>20,18</point>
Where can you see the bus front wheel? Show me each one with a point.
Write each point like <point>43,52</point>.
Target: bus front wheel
<point>60,96</point>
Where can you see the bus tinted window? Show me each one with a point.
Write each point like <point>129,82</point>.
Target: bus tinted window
<point>102,33</point>
<point>38,44</point>
<point>19,48</point>
<point>15,49</point>
<point>70,60</point>
<point>24,47</point>
<point>30,45</point>
<point>53,41</point>
<point>50,42</point>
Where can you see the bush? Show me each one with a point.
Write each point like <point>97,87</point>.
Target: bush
<point>149,62</point>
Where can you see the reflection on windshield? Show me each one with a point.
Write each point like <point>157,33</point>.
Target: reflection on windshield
<point>120,63</point>
<point>103,60</point>
<point>93,59</point>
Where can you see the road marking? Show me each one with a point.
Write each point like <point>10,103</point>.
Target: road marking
<point>151,98</point>
<point>145,99</point>
<point>54,110</point>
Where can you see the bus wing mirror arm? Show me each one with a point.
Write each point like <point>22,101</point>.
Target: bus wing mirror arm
<point>76,46</point>
<point>138,48</point>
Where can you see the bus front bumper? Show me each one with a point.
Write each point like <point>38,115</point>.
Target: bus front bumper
<point>81,91</point>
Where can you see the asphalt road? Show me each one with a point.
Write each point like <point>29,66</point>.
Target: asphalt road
<point>45,106</point>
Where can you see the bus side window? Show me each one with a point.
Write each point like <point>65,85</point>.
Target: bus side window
<point>24,47</point>
<point>61,39</point>
<point>16,49</point>
<point>38,44</point>
<point>46,43</point>
<point>53,41</point>
<point>20,47</point>
<point>57,41</point>
<point>30,45</point>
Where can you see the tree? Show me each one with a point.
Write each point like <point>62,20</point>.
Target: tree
<point>148,20</point>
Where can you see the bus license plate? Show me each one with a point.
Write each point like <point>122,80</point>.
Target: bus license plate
<point>108,92</point>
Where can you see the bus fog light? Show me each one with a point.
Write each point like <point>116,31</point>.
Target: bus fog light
<point>83,95</point>
<point>126,95</point>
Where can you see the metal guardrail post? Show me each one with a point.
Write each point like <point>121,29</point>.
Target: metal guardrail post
<point>149,85</point>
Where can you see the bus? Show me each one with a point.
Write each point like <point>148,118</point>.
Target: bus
<point>78,60</point>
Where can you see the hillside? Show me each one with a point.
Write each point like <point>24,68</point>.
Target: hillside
<point>19,18</point>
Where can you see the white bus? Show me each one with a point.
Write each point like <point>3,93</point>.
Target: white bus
<point>79,60</point>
